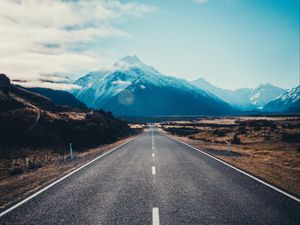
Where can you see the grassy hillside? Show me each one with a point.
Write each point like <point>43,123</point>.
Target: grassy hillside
<point>30,120</point>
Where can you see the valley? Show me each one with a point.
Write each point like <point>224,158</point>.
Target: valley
<point>40,126</point>
<point>118,112</point>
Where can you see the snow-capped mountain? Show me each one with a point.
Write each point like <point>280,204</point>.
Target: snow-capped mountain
<point>243,98</point>
<point>287,102</point>
<point>263,94</point>
<point>131,88</point>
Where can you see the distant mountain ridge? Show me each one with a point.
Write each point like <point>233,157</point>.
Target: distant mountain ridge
<point>287,102</point>
<point>62,98</point>
<point>132,88</point>
<point>243,98</point>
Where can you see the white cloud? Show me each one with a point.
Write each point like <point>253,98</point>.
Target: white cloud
<point>56,86</point>
<point>38,37</point>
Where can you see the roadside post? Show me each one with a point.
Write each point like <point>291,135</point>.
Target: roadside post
<point>229,147</point>
<point>71,151</point>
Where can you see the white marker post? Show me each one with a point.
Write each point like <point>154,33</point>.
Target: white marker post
<point>71,151</point>
<point>228,147</point>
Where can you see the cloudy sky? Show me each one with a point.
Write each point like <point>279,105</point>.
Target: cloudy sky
<point>231,43</point>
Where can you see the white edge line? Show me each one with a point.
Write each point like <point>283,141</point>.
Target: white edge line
<point>153,170</point>
<point>153,155</point>
<point>61,179</point>
<point>241,171</point>
<point>155,216</point>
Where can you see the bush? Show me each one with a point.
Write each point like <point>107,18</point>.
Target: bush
<point>219,133</point>
<point>236,140</point>
<point>242,130</point>
<point>257,128</point>
<point>34,165</point>
<point>290,137</point>
<point>16,171</point>
<point>267,138</point>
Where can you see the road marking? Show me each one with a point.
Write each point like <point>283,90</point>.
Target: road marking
<point>152,138</point>
<point>153,155</point>
<point>155,216</point>
<point>152,147</point>
<point>241,171</point>
<point>64,177</point>
<point>153,170</point>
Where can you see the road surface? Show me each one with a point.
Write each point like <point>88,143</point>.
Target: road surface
<point>157,180</point>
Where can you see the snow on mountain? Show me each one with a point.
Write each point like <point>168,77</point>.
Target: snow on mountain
<point>287,102</point>
<point>103,84</point>
<point>131,61</point>
<point>264,93</point>
<point>129,78</point>
<point>291,96</point>
<point>243,98</point>
<point>238,98</point>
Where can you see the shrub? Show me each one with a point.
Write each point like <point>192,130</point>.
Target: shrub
<point>257,128</point>
<point>290,137</point>
<point>236,140</point>
<point>242,130</point>
<point>34,165</point>
<point>219,133</point>
<point>267,138</point>
<point>16,171</point>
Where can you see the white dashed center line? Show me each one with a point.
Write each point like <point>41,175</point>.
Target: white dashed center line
<point>155,211</point>
<point>153,170</point>
<point>155,216</point>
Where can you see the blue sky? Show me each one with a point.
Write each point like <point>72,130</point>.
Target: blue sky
<point>233,43</point>
<point>230,43</point>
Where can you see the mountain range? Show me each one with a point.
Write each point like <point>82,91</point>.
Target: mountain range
<point>131,88</point>
<point>243,98</point>
<point>287,102</point>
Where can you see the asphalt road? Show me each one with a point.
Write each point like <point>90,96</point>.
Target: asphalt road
<point>169,183</point>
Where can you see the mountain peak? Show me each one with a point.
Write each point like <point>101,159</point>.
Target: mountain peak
<point>266,85</point>
<point>131,61</point>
